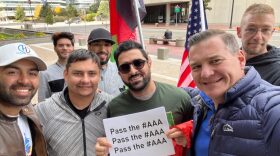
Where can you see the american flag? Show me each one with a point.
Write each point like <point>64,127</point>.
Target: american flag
<point>197,22</point>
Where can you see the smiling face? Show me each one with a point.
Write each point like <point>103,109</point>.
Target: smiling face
<point>214,68</point>
<point>18,83</point>
<point>255,32</point>
<point>103,50</point>
<point>135,79</point>
<point>82,78</point>
<point>63,48</point>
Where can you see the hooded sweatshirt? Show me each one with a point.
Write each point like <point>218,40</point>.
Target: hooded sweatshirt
<point>268,65</point>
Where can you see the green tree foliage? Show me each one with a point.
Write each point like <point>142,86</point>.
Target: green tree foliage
<point>71,12</point>
<point>49,17</point>
<point>45,10</point>
<point>20,14</point>
<point>90,17</point>
<point>94,7</point>
<point>47,14</point>
<point>206,3</point>
<point>103,9</point>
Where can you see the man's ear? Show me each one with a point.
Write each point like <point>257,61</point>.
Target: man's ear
<point>241,58</point>
<point>238,31</point>
<point>149,61</point>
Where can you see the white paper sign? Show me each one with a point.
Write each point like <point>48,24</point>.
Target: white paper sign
<point>139,134</point>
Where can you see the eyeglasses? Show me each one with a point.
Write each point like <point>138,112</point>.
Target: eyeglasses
<point>137,64</point>
<point>264,31</point>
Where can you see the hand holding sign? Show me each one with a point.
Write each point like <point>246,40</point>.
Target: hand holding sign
<point>102,147</point>
<point>139,134</point>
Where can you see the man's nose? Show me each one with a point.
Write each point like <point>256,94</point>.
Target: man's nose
<point>258,34</point>
<point>23,78</point>
<point>85,78</point>
<point>133,70</point>
<point>206,72</point>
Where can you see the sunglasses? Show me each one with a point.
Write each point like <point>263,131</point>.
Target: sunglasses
<point>137,64</point>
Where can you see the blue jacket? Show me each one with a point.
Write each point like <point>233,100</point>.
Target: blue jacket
<point>203,112</point>
<point>248,122</point>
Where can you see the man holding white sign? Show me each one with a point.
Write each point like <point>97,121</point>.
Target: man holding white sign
<point>143,94</point>
<point>139,134</point>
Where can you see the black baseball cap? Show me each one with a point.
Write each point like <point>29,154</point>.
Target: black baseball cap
<point>100,34</point>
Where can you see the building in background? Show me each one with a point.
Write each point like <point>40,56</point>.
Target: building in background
<point>9,6</point>
<point>221,10</point>
<point>163,11</point>
<point>158,11</point>
<point>82,4</point>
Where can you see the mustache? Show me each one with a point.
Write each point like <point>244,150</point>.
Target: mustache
<point>135,75</point>
<point>28,86</point>
<point>102,53</point>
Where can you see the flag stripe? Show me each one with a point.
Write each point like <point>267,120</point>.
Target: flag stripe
<point>197,22</point>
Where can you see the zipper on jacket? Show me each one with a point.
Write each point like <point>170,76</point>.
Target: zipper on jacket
<point>84,138</point>
<point>83,125</point>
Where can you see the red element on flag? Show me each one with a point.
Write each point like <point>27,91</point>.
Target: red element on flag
<point>197,22</point>
<point>123,19</point>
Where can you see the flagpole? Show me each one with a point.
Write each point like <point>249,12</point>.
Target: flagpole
<point>139,23</point>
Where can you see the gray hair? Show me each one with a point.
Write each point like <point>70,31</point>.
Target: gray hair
<point>229,39</point>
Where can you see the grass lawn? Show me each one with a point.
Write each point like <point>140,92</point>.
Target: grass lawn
<point>4,36</point>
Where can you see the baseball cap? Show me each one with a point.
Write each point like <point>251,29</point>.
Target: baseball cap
<point>13,52</point>
<point>100,34</point>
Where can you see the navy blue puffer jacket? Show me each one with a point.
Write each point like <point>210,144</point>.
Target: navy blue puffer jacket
<point>248,123</point>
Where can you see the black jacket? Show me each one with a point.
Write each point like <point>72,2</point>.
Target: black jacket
<point>268,65</point>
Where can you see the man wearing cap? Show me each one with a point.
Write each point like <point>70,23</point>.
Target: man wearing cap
<point>20,130</point>
<point>100,41</point>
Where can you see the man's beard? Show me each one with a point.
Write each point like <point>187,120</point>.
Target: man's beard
<point>107,59</point>
<point>104,62</point>
<point>8,98</point>
<point>144,82</point>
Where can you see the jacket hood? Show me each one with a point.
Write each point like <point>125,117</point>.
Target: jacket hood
<point>100,99</point>
<point>273,55</point>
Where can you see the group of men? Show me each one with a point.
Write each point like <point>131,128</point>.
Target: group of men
<point>235,112</point>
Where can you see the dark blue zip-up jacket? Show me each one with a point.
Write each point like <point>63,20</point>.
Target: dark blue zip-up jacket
<point>248,122</point>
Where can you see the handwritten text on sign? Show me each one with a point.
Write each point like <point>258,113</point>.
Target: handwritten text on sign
<point>139,134</point>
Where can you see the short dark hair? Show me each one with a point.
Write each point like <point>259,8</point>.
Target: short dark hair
<point>228,39</point>
<point>82,55</point>
<point>128,45</point>
<point>59,35</point>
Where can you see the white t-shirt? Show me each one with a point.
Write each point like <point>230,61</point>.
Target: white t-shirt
<point>26,134</point>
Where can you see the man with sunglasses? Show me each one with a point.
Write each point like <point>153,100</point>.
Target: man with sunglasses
<point>256,29</point>
<point>100,41</point>
<point>143,94</point>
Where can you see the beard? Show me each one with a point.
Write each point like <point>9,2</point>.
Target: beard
<point>104,62</point>
<point>9,98</point>
<point>102,54</point>
<point>140,85</point>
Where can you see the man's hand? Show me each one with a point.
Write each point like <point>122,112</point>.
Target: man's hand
<point>102,147</point>
<point>177,135</point>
